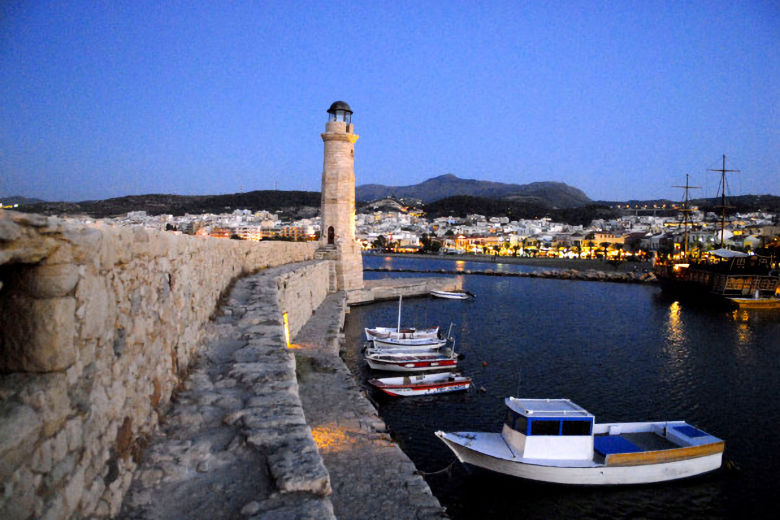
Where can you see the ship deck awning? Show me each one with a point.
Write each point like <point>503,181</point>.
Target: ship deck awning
<point>728,253</point>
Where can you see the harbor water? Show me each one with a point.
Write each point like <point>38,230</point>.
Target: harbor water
<point>624,352</point>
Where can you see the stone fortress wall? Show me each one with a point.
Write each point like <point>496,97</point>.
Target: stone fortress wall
<point>98,326</point>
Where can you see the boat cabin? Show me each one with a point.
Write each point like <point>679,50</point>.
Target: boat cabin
<point>548,429</point>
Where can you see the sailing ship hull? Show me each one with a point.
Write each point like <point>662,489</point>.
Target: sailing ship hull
<point>738,282</point>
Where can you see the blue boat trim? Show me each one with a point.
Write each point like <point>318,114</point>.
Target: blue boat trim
<point>606,444</point>
<point>690,431</point>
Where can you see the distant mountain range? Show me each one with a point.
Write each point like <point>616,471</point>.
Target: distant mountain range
<point>17,199</point>
<point>442,195</point>
<point>546,194</point>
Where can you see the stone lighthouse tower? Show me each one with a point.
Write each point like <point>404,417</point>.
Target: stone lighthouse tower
<point>337,240</point>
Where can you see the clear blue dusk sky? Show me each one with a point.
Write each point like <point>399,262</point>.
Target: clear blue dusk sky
<point>620,99</point>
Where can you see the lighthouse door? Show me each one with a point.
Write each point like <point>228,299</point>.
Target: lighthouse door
<point>331,234</point>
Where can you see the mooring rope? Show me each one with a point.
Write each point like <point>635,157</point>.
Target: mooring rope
<point>447,469</point>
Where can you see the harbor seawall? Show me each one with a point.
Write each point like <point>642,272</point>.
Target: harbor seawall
<point>99,326</point>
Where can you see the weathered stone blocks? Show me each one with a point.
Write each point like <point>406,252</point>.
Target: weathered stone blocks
<point>98,323</point>
<point>38,334</point>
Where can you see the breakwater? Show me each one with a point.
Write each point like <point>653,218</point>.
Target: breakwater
<point>100,325</point>
<point>107,330</point>
<point>590,275</point>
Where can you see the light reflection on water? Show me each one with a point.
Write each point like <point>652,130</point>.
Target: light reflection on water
<point>625,353</point>
<point>676,333</point>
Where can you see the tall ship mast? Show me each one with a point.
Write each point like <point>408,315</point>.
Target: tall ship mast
<point>721,277</point>
<point>722,189</point>
<point>686,214</point>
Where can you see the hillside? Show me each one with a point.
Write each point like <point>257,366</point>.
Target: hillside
<point>463,205</point>
<point>548,194</point>
<point>18,199</point>
<point>294,204</point>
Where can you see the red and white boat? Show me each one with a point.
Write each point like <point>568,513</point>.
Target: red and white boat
<point>422,384</point>
<point>410,361</point>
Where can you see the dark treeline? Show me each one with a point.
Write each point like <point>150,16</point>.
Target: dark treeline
<point>290,203</point>
<point>463,205</point>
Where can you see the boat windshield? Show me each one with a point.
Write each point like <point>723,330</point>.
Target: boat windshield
<point>516,421</point>
<point>560,426</point>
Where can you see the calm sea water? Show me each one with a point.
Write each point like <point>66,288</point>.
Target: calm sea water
<point>624,353</point>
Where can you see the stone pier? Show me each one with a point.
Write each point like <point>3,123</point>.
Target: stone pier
<point>128,358</point>
<point>262,431</point>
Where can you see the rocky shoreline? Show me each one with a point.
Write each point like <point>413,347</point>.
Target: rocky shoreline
<point>590,275</point>
<point>579,264</point>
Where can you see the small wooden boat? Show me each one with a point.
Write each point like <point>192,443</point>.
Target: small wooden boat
<point>410,344</point>
<point>555,440</point>
<point>407,349</point>
<point>410,361</point>
<point>453,295</point>
<point>406,333</point>
<point>422,384</point>
<point>771,302</point>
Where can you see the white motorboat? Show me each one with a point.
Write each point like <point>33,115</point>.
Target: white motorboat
<point>453,295</point>
<point>555,440</point>
<point>422,384</point>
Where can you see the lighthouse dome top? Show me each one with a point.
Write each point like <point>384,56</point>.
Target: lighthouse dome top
<point>340,111</point>
<point>339,105</point>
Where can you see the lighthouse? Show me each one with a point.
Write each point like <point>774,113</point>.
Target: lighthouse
<point>337,211</point>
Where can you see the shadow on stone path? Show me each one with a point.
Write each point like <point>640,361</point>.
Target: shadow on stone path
<point>235,443</point>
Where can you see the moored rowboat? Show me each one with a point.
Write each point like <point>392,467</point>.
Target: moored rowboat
<point>422,384</point>
<point>410,361</point>
<point>452,295</point>
<point>409,345</point>
<point>406,333</point>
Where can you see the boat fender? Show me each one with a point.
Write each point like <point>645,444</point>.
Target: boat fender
<point>461,356</point>
<point>484,363</point>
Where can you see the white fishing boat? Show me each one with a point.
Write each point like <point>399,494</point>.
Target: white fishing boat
<point>405,333</point>
<point>414,344</point>
<point>422,384</point>
<point>555,440</point>
<point>398,333</point>
<point>410,361</point>
<point>410,345</point>
<point>452,295</point>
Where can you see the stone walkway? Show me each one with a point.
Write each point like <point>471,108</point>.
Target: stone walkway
<point>235,443</point>
<point>371,477</point>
